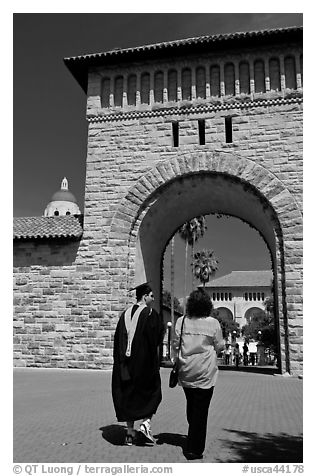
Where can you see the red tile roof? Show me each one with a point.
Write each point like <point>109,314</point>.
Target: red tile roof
<point>243,278</point>
<point>69,226</point>
<point>78,65</point>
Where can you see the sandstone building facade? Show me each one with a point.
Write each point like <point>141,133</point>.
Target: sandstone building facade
<point>239,295</point>
<point>205,125</point>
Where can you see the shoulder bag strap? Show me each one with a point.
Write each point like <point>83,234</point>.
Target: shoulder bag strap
<point>180,341</point>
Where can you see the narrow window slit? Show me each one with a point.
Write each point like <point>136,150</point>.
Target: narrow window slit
<point>201,123</point>
<point>228,130</point>
<point>175,134</point>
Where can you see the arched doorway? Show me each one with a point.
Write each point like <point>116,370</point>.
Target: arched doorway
<point>224,313</point>
<point>253,312</point>
<point>177,190</point>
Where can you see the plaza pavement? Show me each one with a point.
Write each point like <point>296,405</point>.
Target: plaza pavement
<point>67,416</point>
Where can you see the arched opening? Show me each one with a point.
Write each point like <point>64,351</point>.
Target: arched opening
<point>144,88</point>
<point>244,77</point>
<point>200,82</point>
<point>172,85</point>
<point>183,187</point>
<point>243,268</point>
<point>259,76</point>
<point>229,77</point>
<point>187,197</point>
<point>186,82</point>
<point>274,71</point>
<point>131,89</point>
<point>105,92</point>
<point>224,313</point>
<point>118,91</point>
<point>158,86</point>
<point>290,72</point>
<point>254,312</point>
<point>215,81</point>
<point>192,195</point>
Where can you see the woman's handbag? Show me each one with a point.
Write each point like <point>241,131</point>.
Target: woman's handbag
<point>173,377</point>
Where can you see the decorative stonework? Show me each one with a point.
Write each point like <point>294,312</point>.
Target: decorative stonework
<point>197,109</point>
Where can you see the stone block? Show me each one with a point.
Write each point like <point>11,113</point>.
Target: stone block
<point>48,327</point>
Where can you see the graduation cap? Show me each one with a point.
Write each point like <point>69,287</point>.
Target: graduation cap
<point>140,286</point>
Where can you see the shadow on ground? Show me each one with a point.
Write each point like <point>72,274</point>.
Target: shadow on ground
<point>249,447</point>
<point>173,439</point>
<point>114,434</point>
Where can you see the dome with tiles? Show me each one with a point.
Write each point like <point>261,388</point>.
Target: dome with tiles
<point>63,202</point>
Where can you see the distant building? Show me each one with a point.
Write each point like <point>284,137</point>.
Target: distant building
<point>240,294</point>
<point>63,202</point>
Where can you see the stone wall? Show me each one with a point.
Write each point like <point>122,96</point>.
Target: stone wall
<point>56,323</point>
<point>68,295</point>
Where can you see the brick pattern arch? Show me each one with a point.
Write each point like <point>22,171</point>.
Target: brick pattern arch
<point>132,206</point>
<point>286,221</point>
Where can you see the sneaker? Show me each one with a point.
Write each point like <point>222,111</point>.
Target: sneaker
<point>146,431</point>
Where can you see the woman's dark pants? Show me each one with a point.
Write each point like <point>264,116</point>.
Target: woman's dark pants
<point>198,402</point>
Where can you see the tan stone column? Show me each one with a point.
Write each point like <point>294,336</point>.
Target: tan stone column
<point>179,92</point>
<point>124,99</point>
<point>251,76</point>
<point>267,74</point>
<point>298,71</point>
<point>222,78</point>
<point>151,88</point>
<point>282,73</point>
<point>193,83</point>
<point>111,99</point>
<point>165,86</point>
<point>138,95</point>
<point>207,81</point>
<point>237,80</point>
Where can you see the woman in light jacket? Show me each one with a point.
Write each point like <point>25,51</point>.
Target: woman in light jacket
<point>201,340</point>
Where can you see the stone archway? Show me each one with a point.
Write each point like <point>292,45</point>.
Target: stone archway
<point>183,187</point>
<point>251,312</point>
<point>225,312</point>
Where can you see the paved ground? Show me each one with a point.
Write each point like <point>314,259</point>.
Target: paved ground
<point>67,416</point>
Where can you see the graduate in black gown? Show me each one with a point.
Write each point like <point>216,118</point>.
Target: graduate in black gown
<point>136,384</point>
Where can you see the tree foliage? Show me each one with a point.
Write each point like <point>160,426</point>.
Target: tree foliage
<point>190,232</point>
<point>166,300</point>
<point>228,325</point>
<point>193,229</point>
<point>263,322</point>
<point>205,265</point>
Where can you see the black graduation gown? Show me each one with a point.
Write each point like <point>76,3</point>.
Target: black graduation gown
<point>136,384</point>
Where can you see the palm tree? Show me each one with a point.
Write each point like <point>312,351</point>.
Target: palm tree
<point>190,232</point>
<point>205,265</point>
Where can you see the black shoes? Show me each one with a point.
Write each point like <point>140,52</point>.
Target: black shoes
<point>129,440</point>
<point>192,456</point>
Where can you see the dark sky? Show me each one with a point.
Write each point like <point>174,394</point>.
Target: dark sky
<point>50,130</point>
